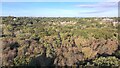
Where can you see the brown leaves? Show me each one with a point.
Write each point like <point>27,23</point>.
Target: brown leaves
<point>9,51</point>
<point>109,47</point>
<point>89,52</point>
<point>68,56</point>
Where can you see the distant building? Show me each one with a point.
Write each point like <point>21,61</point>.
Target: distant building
<point>107,20</point>
<point>65,23</point>
<point>14,19</point>
<point>114,23</point>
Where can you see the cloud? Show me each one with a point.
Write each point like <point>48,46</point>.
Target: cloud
<point>112,0</point>
<point>94,12</point>
<point>98,7</point>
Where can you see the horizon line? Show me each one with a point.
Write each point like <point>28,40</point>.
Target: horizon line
<point>58,16</point>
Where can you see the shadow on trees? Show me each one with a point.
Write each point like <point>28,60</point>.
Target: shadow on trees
<point>42,61</point>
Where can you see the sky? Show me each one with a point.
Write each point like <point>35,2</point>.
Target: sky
<point>66,8</point>
<point>60,0</point>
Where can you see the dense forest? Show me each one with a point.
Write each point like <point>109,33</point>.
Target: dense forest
<point>60,41</point>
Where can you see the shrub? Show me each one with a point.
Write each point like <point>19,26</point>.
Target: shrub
<point>106,61</point>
